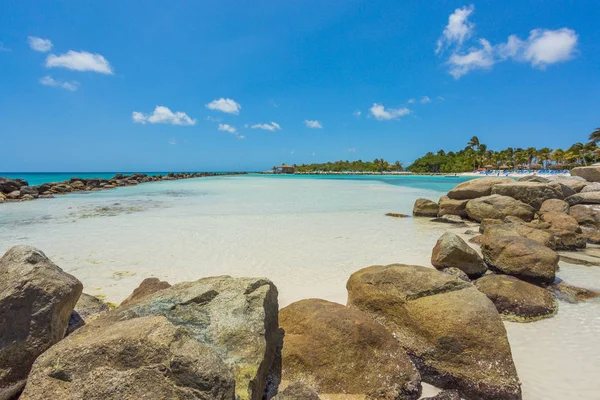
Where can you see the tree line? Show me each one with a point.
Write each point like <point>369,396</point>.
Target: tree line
<point>377,165</point>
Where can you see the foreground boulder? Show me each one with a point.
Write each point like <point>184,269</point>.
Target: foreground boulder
<point>517,300</point>
<point>567,232</point>
<point>520,229</point>
<point>425,208</point>
<point>498,207</point>
<point>450,206</point>
<point>555,205</point>
<point>451,251</point>
<point>146,288</point>
<point>344,351</point>
<point>36,301</point>
<point>586,215</point>
<point>590,174</point>
<point>143,358</point>
<point>235,317</point>
<point>532,193</point>
<point>521,257</point>
<point>452,331</point>
<point>476,188</point>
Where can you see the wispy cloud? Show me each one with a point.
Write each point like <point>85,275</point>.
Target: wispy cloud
<point>80,61</point>
<point>383,114</point>
<point>2,48</point>
<point>227,128</point>
<point>357,113</point>
<point>228,106</point>
<point>49,81</point>
<point>425,100</point>
<point>173,141</point>
<point>39,44</point>
<point>410,101</point>
<point>542,48</point>
<point>313,124</point>
<point>163,115</point>
<point>441,98</point>
<point>273,126</point>
<point>352,149</point>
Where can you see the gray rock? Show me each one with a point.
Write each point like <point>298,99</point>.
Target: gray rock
<point>532,193</point>
<point>36,300</point>
<point>590,174</point>
<point>451,251</point>
<point>498,207</point>
<point>29,190</point>
<point>592,187</point>
<point>476,188</point>
<point>8,185</point>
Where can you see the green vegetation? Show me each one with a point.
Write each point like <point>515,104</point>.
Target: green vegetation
<point>377,165</point>
<point>476,155</point>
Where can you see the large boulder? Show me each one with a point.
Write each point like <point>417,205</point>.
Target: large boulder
<point>143,358</point>
<point>452,331</point>
<point>238,317</point>
<point>590,174</point>
<point>521,257</point>
<point>555,205</point>
<point>498,207</point>
<point>36,301</point>
<point>517,300</point>
<point>533,178</point>
<point>146,288</point>
<point>451,251</point>
<point>592,187</point>
<point>532,193</point>
<point>521,230</point>
<point>566,230</point>
<point>8,185</point>
<point>87,308</point>
<point>449,206</point>
<point>573,183</point>
<point>344,351</point>
<point>425,208</point>
<point>584,198</point>
<point>476,188</point>
<point>586,215</point>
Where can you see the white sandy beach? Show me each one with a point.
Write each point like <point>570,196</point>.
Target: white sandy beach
<point>307,235</point>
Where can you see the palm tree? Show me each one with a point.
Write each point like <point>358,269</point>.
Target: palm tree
<point>398,166</point>
<point>595,136</point>
<point>544,156</point>
<point>474,142</point>
<point>531,155</point>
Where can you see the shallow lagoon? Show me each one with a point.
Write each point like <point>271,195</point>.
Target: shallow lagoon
<point>306,234</point>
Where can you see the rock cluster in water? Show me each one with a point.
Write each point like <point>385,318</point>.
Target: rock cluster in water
<point>19,189</point>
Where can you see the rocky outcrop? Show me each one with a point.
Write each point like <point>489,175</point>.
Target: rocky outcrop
<point>450,206</point>
<point>297,391</point>
<point>521,257</point>
<point>517,300</point>
<point>143,358</point>
<point>36,301</point>
<point>451,251</point>
<point>567,232</point>
<point>590,174</point>
<point>584,198</point>
<point>10,185</point>
<point>146,288</point>
<point>452,331</point>
<point>475,188</point>
<point>344,351</point>
<point>425,208</point>
<point>532,193</point>
<point>555,206</point>
<point>87,309</point>
<point>498,207</point>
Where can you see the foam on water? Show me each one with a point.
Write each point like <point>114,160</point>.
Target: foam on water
<point>307,235</point>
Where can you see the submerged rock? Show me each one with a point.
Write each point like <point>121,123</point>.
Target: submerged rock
<point>517,300</point>
<point>532,193</point>
<point>521,257</point>
<point>344,351</point>
<point>142,358</point>
<point>571,294</point>
<point>498,207</point>
<point>425,208</point>
<point>451,251</point>
<point>452,331</point>
<point>36,300</point>
<point>475,188</point>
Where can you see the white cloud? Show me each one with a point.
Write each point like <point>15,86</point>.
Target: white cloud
<point>80,61</point>
<point>441,98</point>
<point>410,101</point>
<point>425,100</point>
<point>543,46</point>
<point>49,81</point>
<point>273,126</point>
<point>163,115</point>
<point>227,128</point>
<point>380,113</point>
<point>173,141</point>
<point>314,124</point>
<point>459,28</point>
<point>2,48</point>
<point>211,119</point>
<point>352,150</point>
<point>228,106</point>
<point>357,113</point>
<point>39,44</point>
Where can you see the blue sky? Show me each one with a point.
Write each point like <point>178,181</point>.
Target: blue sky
<point>229,85</point>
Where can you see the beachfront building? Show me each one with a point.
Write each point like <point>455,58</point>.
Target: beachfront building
<point>284,169</point>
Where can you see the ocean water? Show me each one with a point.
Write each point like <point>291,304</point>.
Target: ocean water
<point>306,234</point>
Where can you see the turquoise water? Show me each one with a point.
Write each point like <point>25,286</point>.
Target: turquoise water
<point>437,183</point>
